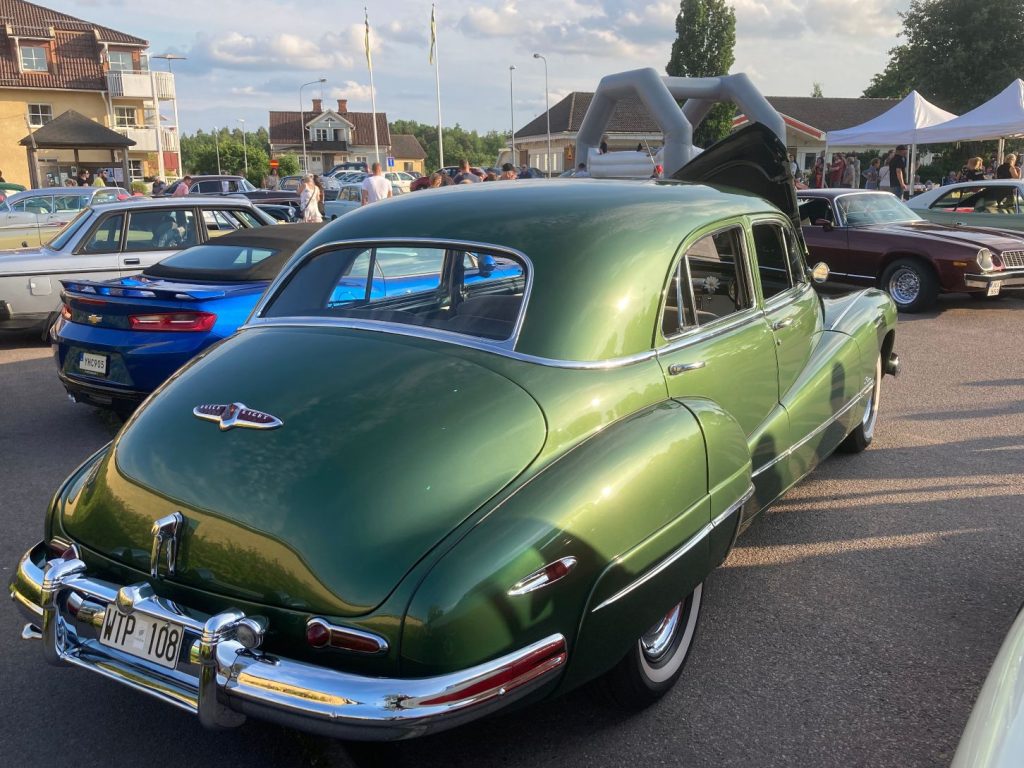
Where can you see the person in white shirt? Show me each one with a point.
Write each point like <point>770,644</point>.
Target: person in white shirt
<point>375,186</point>
<point>309,201</point>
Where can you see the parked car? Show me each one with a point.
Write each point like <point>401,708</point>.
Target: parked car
<point>110,240</point>
<point>997,203</point>
<point>283,214</point>
<point>378,516</point>
<point>354,165</point>
<point>236,186</point>
<point>399,179</point>
<point>871,238</point>
<point>28,219</point>
<point>118,340</point>
<point>350,197</point>
<point>992,738</point>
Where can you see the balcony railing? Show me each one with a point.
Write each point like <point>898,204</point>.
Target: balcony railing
<point>141,85</point>
<point>145,139</point>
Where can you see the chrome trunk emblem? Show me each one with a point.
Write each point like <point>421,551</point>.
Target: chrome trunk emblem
<point>166,537</point>
<point>236,415</point>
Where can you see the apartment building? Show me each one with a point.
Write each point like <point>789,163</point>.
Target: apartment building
<point>50,63</point>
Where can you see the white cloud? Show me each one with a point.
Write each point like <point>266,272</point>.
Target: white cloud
<point>500,21</point>
<point>236,50</point>
<point>352,91</point>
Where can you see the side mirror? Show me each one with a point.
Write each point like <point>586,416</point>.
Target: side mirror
<point>825,224</point>
<point>818,273</point>
<point>486,265</point>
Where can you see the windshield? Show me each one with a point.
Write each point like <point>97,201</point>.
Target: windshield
<point>864,210</point>
<point>245,186</point>
<point>477,294</point>
<point>63,236</point>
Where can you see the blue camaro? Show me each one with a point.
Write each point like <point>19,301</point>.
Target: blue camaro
<point>116,341</point>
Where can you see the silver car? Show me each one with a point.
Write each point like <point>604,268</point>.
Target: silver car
<point>32,217</point>
<point>108,241</point>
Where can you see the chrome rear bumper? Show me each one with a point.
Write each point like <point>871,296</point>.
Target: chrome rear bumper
<point>221,681</point>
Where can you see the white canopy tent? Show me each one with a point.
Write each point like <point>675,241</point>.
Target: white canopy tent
<point>1000,117</point>
<point>902,124</point>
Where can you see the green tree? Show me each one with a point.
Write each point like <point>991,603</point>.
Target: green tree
<point>288,165</point>
<point>458,143</point>
<point>959,53</point>
<point>816,92</point>
<point>705,39</point>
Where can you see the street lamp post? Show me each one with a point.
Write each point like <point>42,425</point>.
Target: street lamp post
<point>512,112</point>
<point>216,146</point>
<point>302,123</point>
<point>245,147</point>
<point>547,111</point>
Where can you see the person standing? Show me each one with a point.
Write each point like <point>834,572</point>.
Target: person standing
<point>318,182</point>
<point>508,173</point>
<point>871,174</point>
<point>82,179</point>
<point>466,176</point>
<point>272,179</point>
<point>159,185</point>
<point>101,178</point>
<point>836,170</point>
<point>309,200</point>
<point>793,167</point>
<point>883,171</point>
<point>182,189</point>
<point>849,173</point>
<point>898,172</point>
<point>1009,168</point>
<point>973,170</point>
<point>376,186</point>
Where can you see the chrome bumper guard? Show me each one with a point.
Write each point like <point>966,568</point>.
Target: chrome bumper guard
<point>1010,278</point>
<point>222,681</point>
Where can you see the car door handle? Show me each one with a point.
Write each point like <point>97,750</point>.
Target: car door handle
<point>132,262</point>
<point>677,368</point>
<point>778,325</point>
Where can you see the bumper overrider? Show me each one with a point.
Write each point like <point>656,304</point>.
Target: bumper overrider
<point>1010,278</point>
<point>221,680</point>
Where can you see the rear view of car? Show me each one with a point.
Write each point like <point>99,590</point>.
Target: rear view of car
<point>116,341</point>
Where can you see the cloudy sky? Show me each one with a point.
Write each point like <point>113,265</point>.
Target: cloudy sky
<point>245,58</point>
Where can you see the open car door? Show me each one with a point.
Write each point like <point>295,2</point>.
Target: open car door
<point>751,160</point>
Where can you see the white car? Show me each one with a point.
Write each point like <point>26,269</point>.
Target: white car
<point>32,217</point>
<point>400,179</point>
<point>107,241</point>
<point>986,203</point>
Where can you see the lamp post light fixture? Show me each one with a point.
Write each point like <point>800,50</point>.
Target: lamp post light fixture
<point>245,147</point>
<point>302,123</point>
<point>547,111</point>
<point>512,112</point>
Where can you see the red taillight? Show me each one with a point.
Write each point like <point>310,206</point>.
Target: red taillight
<point>173,321</point>
<point>322,634</point>
<point>65,311</point>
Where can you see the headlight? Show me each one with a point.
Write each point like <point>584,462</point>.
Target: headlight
<point>984,259</point>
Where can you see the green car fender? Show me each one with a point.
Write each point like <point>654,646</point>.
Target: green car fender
<point>617,504</point>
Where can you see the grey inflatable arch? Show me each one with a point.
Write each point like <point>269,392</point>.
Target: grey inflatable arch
<point>660,95</point>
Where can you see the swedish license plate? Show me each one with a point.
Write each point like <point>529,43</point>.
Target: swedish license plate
<point>148,638</point>
<point>91,363</point>
<point>993,288</point>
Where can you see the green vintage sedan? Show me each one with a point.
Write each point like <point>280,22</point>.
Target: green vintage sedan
<point>377,516</point>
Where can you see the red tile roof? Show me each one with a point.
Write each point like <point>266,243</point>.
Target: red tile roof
<point>75,53</point>
<point>286,129</point>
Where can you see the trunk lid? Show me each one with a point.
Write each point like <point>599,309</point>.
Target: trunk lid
<point>387,444</point>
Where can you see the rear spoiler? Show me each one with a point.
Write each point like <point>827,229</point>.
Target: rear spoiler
<point>90,289</point>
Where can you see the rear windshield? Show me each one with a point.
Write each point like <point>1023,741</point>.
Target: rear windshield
<point>476,293</point>
<point>215,261</point>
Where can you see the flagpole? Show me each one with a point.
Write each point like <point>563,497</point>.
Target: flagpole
<point>437,83</point>
<point>373,91</point>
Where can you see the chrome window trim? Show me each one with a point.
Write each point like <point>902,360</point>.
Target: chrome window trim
<point>689,544</point>
<point>681,252</point>
<point>299,259</point>
<point>817,430</point>
<point>787,297</point>
<point>710,331</point>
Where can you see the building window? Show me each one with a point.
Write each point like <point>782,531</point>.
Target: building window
<point>135,169</point>
<point>144,62</point>
<point>124,117</point>
<point>39,114</point>
<point>321,134</point>
<point>33,59</point>
<point>120,61</point>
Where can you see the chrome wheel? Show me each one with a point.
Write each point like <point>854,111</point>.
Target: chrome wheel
<point>663,648</point>
<point>905,286</point>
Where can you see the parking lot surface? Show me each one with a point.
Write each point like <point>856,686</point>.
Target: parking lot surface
<point>853,624</point>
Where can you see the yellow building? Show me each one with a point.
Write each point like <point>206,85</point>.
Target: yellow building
<point>408,153</point>
<point>50,63</point>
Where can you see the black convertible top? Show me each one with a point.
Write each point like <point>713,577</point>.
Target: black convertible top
<point>218,259</point>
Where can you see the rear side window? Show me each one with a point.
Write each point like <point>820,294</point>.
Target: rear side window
<point>161,230</point>
<point>709,283</point>
<point>952,198</point>
<point>38,205</point>
<point>478,294</point>
<point>67,202</point>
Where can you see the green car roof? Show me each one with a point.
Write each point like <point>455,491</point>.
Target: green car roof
<point>601,250</point>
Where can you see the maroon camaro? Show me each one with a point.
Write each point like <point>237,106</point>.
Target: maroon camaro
<point>871,238</point>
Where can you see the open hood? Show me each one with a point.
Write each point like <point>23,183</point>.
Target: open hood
<point>752,160</point>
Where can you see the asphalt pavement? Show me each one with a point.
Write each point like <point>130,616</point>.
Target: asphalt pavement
<point>853,624</point>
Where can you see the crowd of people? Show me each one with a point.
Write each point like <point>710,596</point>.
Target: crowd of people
<point>890,172</point>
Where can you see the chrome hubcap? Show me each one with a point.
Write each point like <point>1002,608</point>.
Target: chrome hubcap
<point>656,642</point>
<point>904,286</point>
